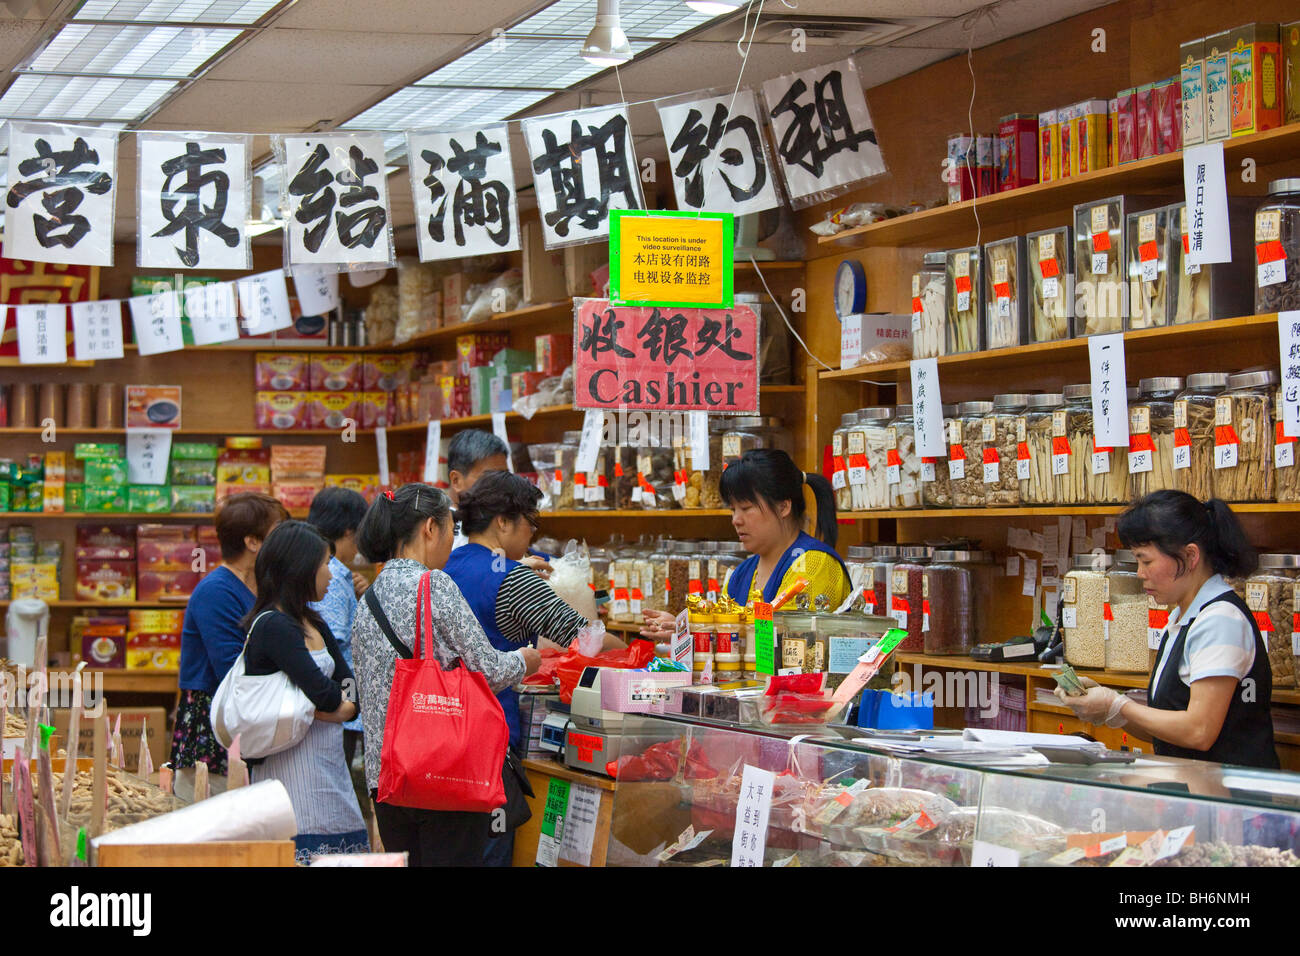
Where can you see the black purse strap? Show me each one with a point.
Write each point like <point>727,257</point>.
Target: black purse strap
<point>381,619</point>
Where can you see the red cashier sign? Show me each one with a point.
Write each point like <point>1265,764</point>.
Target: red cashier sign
<point>665,359</point>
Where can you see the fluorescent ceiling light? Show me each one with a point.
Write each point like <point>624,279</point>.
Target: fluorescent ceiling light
<point>519,63</point>
<point>419,107</point>
<point>641,19</point>
<point>715,8</point>
<point>55,98</point>
<point>176,11</point>
<point>130,51</point>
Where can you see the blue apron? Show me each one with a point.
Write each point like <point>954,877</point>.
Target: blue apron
<point>479,573</point>
<point>743,576</point>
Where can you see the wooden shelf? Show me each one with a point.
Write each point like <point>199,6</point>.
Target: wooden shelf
<point>946,224</point>
<point>112,605</point>
<point>201,432</point>
<point>1062,511</point>
<point>528,315</point>
<point>272,347</point>
<point>1136,343</point>
<point>744,265</point>
<point>115,516</point>
<point>125,681</point>
<point>471,420</point>
<point>651,513</point>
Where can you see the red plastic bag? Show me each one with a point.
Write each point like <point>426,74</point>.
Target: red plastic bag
<point>570,667</point>
<point>457,709</point>
<point>544,676</point>
<point>660,761</point>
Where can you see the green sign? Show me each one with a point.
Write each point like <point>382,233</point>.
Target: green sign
<point>681,260</point>
<point>765,646</point>
<point>893,637</point>
<point>552,835</point>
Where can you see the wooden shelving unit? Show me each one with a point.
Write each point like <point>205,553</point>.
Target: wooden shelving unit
<point>112,605</point>
<point>111,516</point>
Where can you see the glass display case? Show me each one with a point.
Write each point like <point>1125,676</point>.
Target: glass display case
<point>842,798</point>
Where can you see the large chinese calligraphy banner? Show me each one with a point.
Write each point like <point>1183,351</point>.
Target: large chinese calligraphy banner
<point>583,166</point>
<point>60,204</point>
<point>464,190</point>
<point>194,201</point>
<point>824,137</point>
<point>665,359</point>
<point>23,283</point>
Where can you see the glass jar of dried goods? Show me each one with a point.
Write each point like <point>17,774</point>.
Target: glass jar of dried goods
<point>1125,623</point>
<point>968,489</point>
<point>1083,610</point>
<point>936,485</point>
<point>1243,437</point>
<point>1271,597</point>
<point>902,463</point>
<point>1277,248</point>
<point>1034,449</point>
<point>957,589</point>
<point>1151,436</point>
<point>1194,434</point>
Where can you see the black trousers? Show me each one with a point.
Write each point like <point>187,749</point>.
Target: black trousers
<point>433,837</point>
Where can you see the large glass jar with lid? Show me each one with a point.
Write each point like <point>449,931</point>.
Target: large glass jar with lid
<point>1271,594</point>
<point>1087,474</point>
<point>1125,636</point>
<point>755,431</point>
<point>929,310</point>
<point>1286,470</point>
<point>678,568</point>
<point>543,456</point>
<point>600,565</point>
<point>656,463</point>
<point>1194,434</point>
<point>1277,248</point>
<point>699,479</point>
<point>1000,434</point>
<point>564,486</point>
<point>907,596</point>
<point>859,560</point>
<point>655,588</point>
<point>840,462</point>
<point>902,463</point>
<point>730,555</point>
<point>1034,449</point>
<point>877,599</point>
<point>936,485</point>
<point>1151,436</point>
<point>957,590</point>
<point>1083,610</point>
<point>794,635</point>
<point>866,440</point>
<point>967,472</point>
<point>596,495</point>
<point>1243,437</point>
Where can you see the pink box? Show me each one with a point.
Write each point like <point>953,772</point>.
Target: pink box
<point>155,555</point>
<point>375,410</point>
<point>282,409</point>
<point>384,373</point>
<point>638,692</point>
<point>336,373</point>
<point>1126,118</point>
<point>162,586</point>
<point>332,409</point>
<point>281,371</point>
<point>1145,110</point>
<point>1169,116</point>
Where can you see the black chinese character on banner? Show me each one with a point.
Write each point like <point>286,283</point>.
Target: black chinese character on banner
<point>182,203</point>
<point>564,163</point>
<point>712,335</point>
<point>666,336</point>
<point>314,182</point>
<point>820,129</point>
<point>699,142</point>
<point>477,202</point>
<point>61,182</point>
<point>603,336</point>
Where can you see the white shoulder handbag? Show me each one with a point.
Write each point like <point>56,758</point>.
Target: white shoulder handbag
<point>269,712</point>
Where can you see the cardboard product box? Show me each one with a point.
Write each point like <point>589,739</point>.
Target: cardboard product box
<point>383,373</point>
<point>166,555</point>
<point>165,532</point>
<point>1088,142</point>
<point>332,410</point>
<point>163,586</point>
<point>155,620</point>
<point>149,499</point>
<point>526,383</point>
<point>552,353</point>
<point>1218,88</point>
<point>153,406</point>
<point>286,410</point>
<point>282,371</point>
<point>74,498</point>
<point>52,497</point>
<point>1144,99</point>
<point>1290,36</point>
<point>192,472</point>
<point>105,580</point>
<point>477,349</point>
<point>863,334</point>
<point>106,541</point>
<point>106,651</point>
<point>336,373</point>
<point>1112,132</point>
<point>56,466</point>
<point>543,271</point>
<point>102,472</point>
<point>297,461</point>
<point>1169,115</point>
<point>86,450</point>
<point>1017,150</point>
<point>151,720</point>
<point>455,292</point>
<point>34,579</point>
<point>1255,74</point>
<point>375,409</point>
<point>1191,77</point>
<point>455,397</point>
<point>507,361</point>
<point>153,659</point>
<point>1069,150</point>
<point>244,466</point>
<point>106,499</point>
<point>296,495</point>
<point>366,485</point>
<point>480,389</point>
<point>580,262</point>
<point>193,499</point>
<point>502,397</point>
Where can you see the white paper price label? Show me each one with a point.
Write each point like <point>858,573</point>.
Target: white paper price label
<point>1138,462</point>
<point>1153,638</point>
<point>916,322</point>
<point>432,448</point>
<point>1060,465</point>
<point>1022,469</point>
<point>956,469</point>
<point>1271,273</point>
<point>857,475</point>
<point>893,474</point>
<point>1004,307</point>
<point>1052,287</point>
<point>1101,462</point>
<point>990,854</point>
<point>991,473</point>
<point>1100,263</point>
<point>1225,456</point>
<point>928,471</point>
<point>839,480</point>
<point>963,301</point>
<point>1069,617</point>
<point>1182,457</point>
<point>1284,454</point>
<point>1150,270</point>
<point>900,618</point>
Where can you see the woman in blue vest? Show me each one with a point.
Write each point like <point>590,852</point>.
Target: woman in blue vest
<point>1210,693</point>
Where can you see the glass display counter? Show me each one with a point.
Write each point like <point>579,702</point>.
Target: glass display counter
<point>839,800</point>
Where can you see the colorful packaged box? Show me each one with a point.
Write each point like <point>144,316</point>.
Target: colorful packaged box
<point>480,389</point>
<point>113,541</point>
<point>159,554</point>
<point>34,579</point>
<point>1088,144</point>
<point>153,659</point>
<point>105,499</point>
<point>1112,132</point>
<point>455,397</point>
<point>1255,72</point>
<point>384,373</point>
<point>1144,108</point>
<point>336,373</point>
<point>297,495</point>
<point>1191,76</point>
<point>195,450</point>
<point>281,409</point>
<point>374,409</point>
<point>74,498</point>
<point>104,647</point>
<point>455,294</point>
<point>503,399</point>
<point>1049,146</point>
<point>1290,36</point>
<point>366,485</point>
<point>193,472</point>
<point>473,351</point>
<point>282,371</point>
<point>56,466</point>
<point>193,499</point>
<point>85,450</point>
<point>52,497</point>
<point>1218,88</point>
<point>101,472</point>
<point>155,621</point>
<point>332,410</point>
<point>243,469</point>
<point>1068,150</point>
<point>526,383</point>
<point>163,586</point>
<point>153,406</point>
<point>552,354</point>
<point>149,499</point>
<point>106,581</point>
<point>1168,115</point>
<point>297,461</point>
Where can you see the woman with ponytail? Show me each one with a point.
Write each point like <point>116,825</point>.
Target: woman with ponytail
<point>1210,693</point>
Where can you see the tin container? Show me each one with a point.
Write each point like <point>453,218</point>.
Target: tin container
<point>1191,75</point>
<point>1088,144</point>
<point>1255,78</point>
<point>1065,117</point>
<point>1112,132</point>
<point>1017,151</point>
<point>986,177</point>
<point>1049,146</point>
<point>1126,125</point>
<point>1218,88</point>
<point>961,164</point>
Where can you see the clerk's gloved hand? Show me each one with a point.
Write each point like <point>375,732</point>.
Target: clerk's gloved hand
<point>1098,705</point>
<point>658,625</point>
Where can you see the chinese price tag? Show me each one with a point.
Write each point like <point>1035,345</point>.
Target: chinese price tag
<point>1288,334</point>
<point>764,638</point>
<point>552,835</point>
<point>752,812</point>
<point>97,329</point>
<point>148,451</point>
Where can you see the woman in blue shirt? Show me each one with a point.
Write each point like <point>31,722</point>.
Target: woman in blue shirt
<point>213,633</point>
<point>1210,693</point>
<point>336,513</point>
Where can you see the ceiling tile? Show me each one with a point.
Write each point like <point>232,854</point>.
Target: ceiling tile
<point>263,106</point>
<point>882,8</point>
<point>403,16</point>
<point>177,11</point>
<point>313,56</point>
<point>1007,19</point>
<point>130,51</point>
<point>54,98</point>
<point>16,36</point>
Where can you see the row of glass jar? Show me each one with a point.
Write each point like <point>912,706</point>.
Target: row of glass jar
<point>1212,436</point>
<point>1114,268</point>
<point>659,575</point>
<point>1108,621</point>
<point>651,476</point>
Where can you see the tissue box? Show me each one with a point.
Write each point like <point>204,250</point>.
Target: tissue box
<point>639,692</point>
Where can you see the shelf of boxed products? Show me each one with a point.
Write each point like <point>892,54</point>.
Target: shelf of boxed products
<point>1057,511</point>
<point>125,516</point>
<point>111,605</point>
<point>204,432</point>
<point>639,513</point>
<point>1247,329</point>
<point>527,315</point>
<point>1157,172</point>
<point>123,681</point>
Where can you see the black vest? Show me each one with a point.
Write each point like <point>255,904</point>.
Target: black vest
<point>1247,735</point>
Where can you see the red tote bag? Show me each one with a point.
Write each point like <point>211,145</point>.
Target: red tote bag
<point>445,735</point>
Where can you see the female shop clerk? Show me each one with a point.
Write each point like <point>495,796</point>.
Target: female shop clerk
<point>1210,693</point>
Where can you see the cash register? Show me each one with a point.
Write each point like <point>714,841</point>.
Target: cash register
<point>595,737</point>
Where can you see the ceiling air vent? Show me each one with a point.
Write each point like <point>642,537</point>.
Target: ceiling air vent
<point>848,32</point>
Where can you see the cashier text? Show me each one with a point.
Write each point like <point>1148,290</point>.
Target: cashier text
<point>55,690</point>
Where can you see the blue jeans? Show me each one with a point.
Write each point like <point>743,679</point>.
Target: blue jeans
<point>308,845</point>
<point>500,851</point>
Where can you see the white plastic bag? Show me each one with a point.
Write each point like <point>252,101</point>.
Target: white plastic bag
<point>571,579</point>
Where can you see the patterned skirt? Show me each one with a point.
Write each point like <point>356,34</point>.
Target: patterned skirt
<point>192,740</point>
